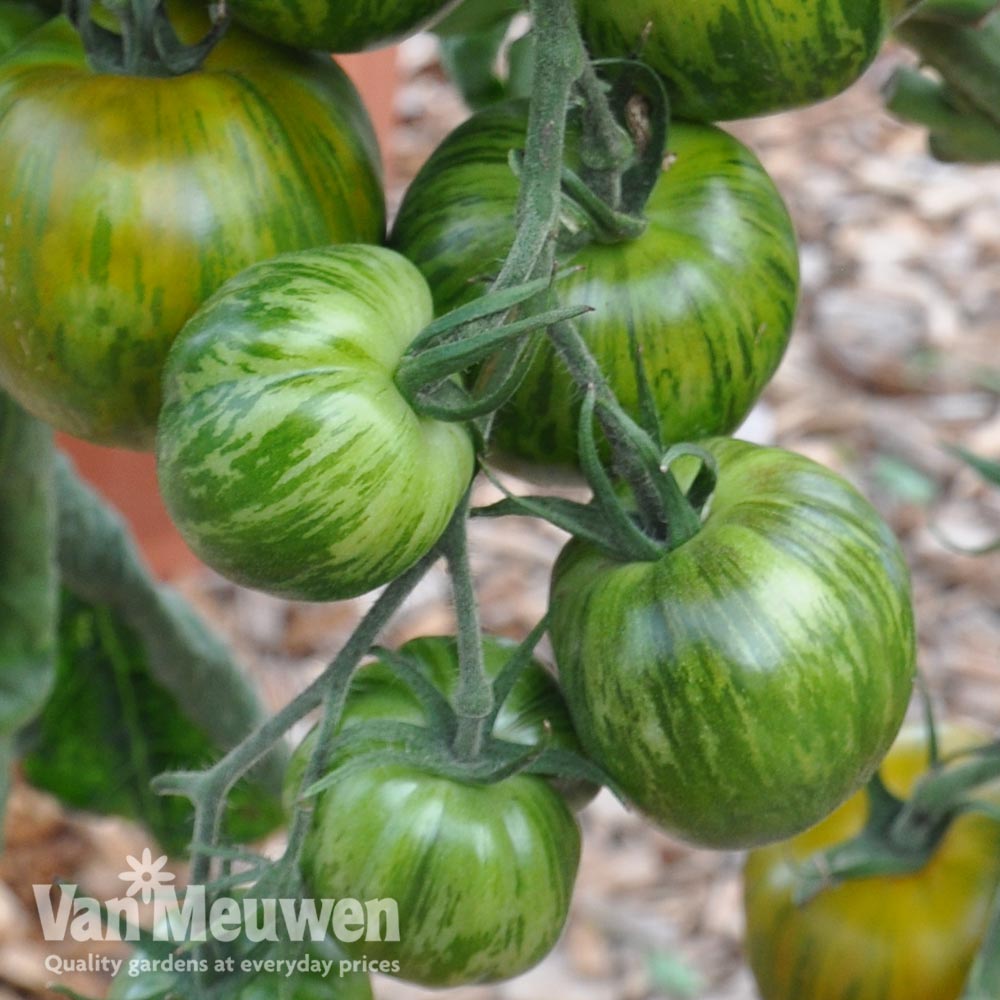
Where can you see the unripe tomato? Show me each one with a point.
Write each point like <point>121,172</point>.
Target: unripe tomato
<point>724,59</point>
<point>887,937</point>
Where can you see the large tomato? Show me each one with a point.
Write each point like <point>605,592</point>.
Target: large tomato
<point>482,874</point>
<point>725,59</point>
<point>286,455</point>
<point>886,937</point>
<point>338,25</point>
<point>17,19</point>
<point>703,299</point>
<point>125,202</point>
<point>532,711</point>
<point>743,685</point>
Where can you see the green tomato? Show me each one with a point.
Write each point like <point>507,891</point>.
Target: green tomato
<point>885,937</point>
<point>743,685</point>
<point>482,873</point>
<point>18,18</point>
<point>532,711</point>
<point>338,25</point>
<point>724,59</point>
<point>127,201</point>
<point>704,299</point>
<point>286,456</point>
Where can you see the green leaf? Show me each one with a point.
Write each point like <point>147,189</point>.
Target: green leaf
<point>469,60</point>
<point>990,471</point>
<point>955,11</point>
<point>903,481</point>
<point>478,15</point>
<point>471,38</point>
<point>99,563</point>
<point>110,726</point>
<point>984,977</point>
<point>671,974</point>
<point>967,60</point>
<point>28,589</point>
<point>142,685</point>
<point>958,131</point>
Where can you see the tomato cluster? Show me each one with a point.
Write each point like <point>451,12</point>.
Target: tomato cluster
<point>194,258</point>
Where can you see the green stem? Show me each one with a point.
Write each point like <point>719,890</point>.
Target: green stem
<point>901,836</point>
<point>984,979</point>
<point>99,562</point>
<point>215,783</point>
<point>145,43</point>
<point>474,695</point>
<point>957,134</point>
<point>938,796</point>
<point>560,59</point>
<point>420,373</point>
<point>969,12</point>
<point>662,505</point>
<point>607,149</point>
<point>968,60</point>
<point>604,224</point>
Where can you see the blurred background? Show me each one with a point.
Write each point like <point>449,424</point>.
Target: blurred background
<point>896,354</point>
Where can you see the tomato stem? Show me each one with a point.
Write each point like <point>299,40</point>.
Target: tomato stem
<point>902,835</point>
<point>607,148</point>
<point>664,511</point>
<point>967,58</point>
<point>421,373</point>
<point>559,61</point>
<point>984,978</point>
<point>145,43</point>
<point>474,696</point>
<point>330,690</point>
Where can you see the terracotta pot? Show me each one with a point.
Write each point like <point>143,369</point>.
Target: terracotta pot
<point>127,479</point>
<point>374,74</point>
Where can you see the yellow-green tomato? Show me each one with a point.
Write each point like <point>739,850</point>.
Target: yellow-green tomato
<point>900,937</point>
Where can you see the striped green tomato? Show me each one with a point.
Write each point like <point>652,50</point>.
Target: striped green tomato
<point>482,875</point>
<point>533,711</point>
<point>338,25</point>
<point>125,202</point>
<point>724,59</point>
<point>887,936</point>
<point>286,455</point>
<point>705,297</point>
<point>743,685</point>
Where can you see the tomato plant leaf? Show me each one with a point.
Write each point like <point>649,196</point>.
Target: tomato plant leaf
<point>472,38</point>
<point>990,471</point>
<point>111,725</point>
<point>955,11</point>
<point>27,574</point>
<point>966,59</point>
<point>101,565</point>
<point>469,61</point>
<point>142,685</point>
<point>477,15</point>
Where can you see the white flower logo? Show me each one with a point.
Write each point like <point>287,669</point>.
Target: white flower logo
<point>146,875</point>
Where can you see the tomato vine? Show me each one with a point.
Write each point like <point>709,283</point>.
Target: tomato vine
<point>667,517</point>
